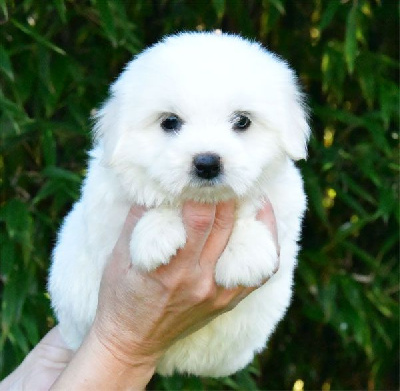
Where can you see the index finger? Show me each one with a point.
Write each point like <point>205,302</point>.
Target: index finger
<point>220,233</point>
<point>198,220</point>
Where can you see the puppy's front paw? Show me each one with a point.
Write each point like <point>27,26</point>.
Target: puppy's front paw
<point>250,256</point>
<point>156,238</point>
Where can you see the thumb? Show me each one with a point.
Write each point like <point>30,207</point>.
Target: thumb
<point>267,216</point>
<point>134,215</point>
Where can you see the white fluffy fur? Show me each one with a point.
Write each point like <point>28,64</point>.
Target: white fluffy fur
<point>204,78</point>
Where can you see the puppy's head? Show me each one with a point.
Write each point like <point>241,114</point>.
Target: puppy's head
<point>201,115</point>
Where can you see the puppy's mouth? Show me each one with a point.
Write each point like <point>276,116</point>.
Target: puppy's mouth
<point>206,183</point>
<point>207,170</point>
<point>208,190</point>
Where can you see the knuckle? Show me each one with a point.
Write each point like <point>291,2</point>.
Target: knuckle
<point>225,300</point>
<point>224,222</point>
<point>204,291</point>
<point>198,217</point>
<point>201,222</point>
<point>224,304</point>
<point>230,298</point>
<point>170,280</point>
<point>176,280</point>
<point>225,216</point>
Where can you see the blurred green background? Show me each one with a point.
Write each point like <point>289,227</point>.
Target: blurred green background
<point>57,59</point>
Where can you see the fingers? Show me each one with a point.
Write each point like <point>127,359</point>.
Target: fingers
<point>198,220</point>
<point>208,228</point>
<point>134,215</point>
<point>219,235</point>
<point>267,216</point>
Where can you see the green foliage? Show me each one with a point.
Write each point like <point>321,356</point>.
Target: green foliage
<point>57,59</point>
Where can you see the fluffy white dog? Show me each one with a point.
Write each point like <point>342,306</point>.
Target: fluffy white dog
<point>197,116</point>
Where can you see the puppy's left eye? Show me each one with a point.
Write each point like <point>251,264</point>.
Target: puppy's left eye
<point>171,123</point>
<point>241,122</point>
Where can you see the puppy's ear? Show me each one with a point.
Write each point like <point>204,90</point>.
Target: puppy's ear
<point>106,129</point>
<point>296,131</point>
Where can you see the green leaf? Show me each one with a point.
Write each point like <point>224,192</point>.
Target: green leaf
<point>17,218</point>
<point>380,303</point>
<point>8,310</point>
<point>5,63</point>
<point>327,298</point>
<point>245,381</point>
<point>219,7</point>
<point>333,69</point>
<point>278,4</point>
<point>315,194</point>
<point>357,188</point>
<point>4,10</point>
<point>18,338</point>
<point>60,173</point>
<point>30,327</point>
<point>389,99</point>
<point>49,147</point>
<point>174,382</point>
<point>12,108</point>
<point>329,13</point>
<point>347,229</point>
<point>107,20</point>
<point>377,133</point>
<point>60,6</point>
<point>351,292</point>
<point>39,38</point>
<point>7,256</point>
<point>59,69</point>
<point>391,242</point>
<point>379,327</point>
<point>352,202</point>
<point>350,43</point>
<point>48,189</point>
<point>360,254</point>
<point>388,202</point>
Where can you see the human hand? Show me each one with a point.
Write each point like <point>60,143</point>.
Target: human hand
<point>141,315</point>
<point>41,366</point>
<point>126,339</point>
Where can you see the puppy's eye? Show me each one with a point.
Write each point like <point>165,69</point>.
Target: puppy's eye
<point>172,123</point>
<point>241,122</point>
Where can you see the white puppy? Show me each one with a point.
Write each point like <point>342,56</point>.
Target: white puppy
<point>197,116</point>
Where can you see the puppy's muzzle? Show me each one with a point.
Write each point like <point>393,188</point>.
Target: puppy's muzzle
<point>207,165</point>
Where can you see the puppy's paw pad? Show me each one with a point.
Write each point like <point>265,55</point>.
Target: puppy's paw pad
<point>156,238</point>
<point>249,258</point>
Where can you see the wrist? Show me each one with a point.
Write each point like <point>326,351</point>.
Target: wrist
<point>119,356</point>
<point>96,364</point>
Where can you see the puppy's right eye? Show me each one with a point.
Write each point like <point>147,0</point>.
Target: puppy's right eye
<point>172,123</point>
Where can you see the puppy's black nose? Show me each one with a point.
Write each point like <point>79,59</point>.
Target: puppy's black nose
<point>207,165</point>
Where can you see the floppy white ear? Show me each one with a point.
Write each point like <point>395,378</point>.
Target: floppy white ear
<point>296,131</point>
<point>106,128</point>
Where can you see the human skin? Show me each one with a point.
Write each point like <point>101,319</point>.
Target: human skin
<point>141,314</point>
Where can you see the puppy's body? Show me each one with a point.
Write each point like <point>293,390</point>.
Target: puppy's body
<point>144,155</point>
